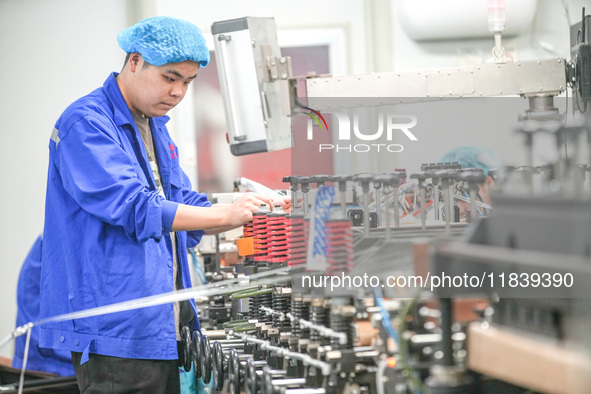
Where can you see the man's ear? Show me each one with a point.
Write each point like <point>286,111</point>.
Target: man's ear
<point>489,181</point>
<point>134,61</point>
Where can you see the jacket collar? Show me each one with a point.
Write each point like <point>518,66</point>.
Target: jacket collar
<point>122,114</point>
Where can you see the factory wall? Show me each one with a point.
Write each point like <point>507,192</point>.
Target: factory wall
<point>55,51</point>
<point>52,52</point>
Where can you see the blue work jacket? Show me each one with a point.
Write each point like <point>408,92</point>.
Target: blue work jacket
<point>106,235</point>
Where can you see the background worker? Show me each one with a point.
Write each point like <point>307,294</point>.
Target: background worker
<point>474,157</point>
<point>27,299</point>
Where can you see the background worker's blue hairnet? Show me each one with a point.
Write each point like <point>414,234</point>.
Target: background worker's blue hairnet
<point>472,156</point>
<point>163,39</point>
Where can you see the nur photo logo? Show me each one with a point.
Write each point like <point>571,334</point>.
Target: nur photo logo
<point>380,129</point>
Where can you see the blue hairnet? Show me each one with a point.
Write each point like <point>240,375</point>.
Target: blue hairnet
<point>472,156</point>
<point>163,39</point>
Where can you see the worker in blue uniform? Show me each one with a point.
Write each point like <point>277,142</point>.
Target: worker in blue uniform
<point>120,213</point>
<point>475,157</point>
<point>27,301</point>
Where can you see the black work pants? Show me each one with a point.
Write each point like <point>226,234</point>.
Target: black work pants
<point>105,374</point>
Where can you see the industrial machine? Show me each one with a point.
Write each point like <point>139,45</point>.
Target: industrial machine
<point>363,299</point>
<point>375,282</point>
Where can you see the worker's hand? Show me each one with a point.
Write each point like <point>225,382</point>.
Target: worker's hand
<point>284,202</point>
<point>240,212</point>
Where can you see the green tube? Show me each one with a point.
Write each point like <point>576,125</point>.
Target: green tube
<point>250,293</point>
<point>245,328</point>
<point>235,323</point>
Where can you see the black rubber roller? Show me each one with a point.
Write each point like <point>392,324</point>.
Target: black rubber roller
<point>205,360</point>
<point>234,372</point>
<point>217,361</point>
<point>250,377</point>
<point>196,353</point>
<point>185,351</point>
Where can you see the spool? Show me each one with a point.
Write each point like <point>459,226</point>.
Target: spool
<point>281,303</point>
<point>196,353</point>
<point>206,360</point>
<point>250,377</point>
<point>234,373</point>
<point>339,246</point>
<point>259,227</point>
<point>278,235</point>
<point>319,315</point>
<point>217,361</point>
<point>185,353</point>
<point>298,245</point>
<point>247,230</point>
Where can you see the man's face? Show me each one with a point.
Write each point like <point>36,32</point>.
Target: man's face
<point>155,90</point>
<point>483,192</point>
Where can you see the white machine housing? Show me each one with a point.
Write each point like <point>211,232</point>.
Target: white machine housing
<point>254,83</point>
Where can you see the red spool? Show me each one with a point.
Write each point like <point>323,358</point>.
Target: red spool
<point>339,246</point>
<point>278,236</point>
<point>298,246</point>
<point>260,234</point>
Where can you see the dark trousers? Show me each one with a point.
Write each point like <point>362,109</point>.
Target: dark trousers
<point>104,374</point>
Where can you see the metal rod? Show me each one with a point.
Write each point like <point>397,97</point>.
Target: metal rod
<point>41,384</point>
<point>378,206</point>
<point>272,372</point>
<point>529,141</point>
<point>473,213</point>
<point>294,200</point>
<point>423,203</point>
<point>229,346</point>
<point>366,212</point>
<point>436,198</point>
<point>396,207</point>
<point>388,233</point>
<point>446,305</point>
<point>448,207</point>
<point>289,382</point>
<point>306,391</point>
<point>218,255</point>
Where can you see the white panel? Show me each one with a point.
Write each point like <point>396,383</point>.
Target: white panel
<point>460,19</point>
<point>244,84</point>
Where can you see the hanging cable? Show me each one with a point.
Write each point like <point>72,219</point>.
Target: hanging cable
<point>379,298</point>
<point>197,266</point>
<point>21,381</point>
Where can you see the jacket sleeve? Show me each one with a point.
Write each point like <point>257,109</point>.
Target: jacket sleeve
<point>191,197</point>
<point>101,177</point>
